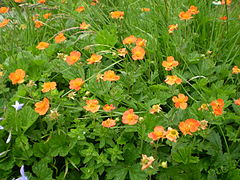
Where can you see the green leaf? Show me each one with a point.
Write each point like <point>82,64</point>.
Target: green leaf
<point>41,170</point>
<point>118,172</point>
<point>136,173</point>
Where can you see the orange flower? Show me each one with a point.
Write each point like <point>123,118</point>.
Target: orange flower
<point>122,52</point>
<point>224,18</point>
<point>129,117</point>
<point>189,126</point>
<point>38,24</point>
<point>170,63</point>
<point>73,58</point>
<point>4,22</point>
<point>84,25</point>
<point>42,107</point>
<point>110,76</point>
<point>80,9</point>
<point>172,27</point>
<point>19,1</point>
<point>155,109</point>
<point>76,84</point>
<point>237,102</point>
<point>117,14</point>
<point>193,10</point>
<point>228,2</point>
<point>138,53</point>
<point>185,15</point>
<point>4,10</point>
<point>17,76</point>
<point>145,9</point>
<point>109,123</point>
<point>48,86</point>
<point>146,162</point>
<point>172,134</point>
<point>41,1</point>
<point>129,40</point>
<point>60,38</point>
<point>141,42</point>
<point>47,15</point>
<point>180,101</point>
<point>42,45</point>
<point>108,108</point>
<point>235,70</point>
<point>173,80</point>
<point>217,107</point>
<point>94,59</point>
<point>92,105</point>
<point>157,133</point>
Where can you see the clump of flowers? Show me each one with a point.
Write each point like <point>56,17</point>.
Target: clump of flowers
<point>217,106</point>
<point>92,105</point>
<point>146,161</point>
<point>129,117</point>
<point>180,101</point>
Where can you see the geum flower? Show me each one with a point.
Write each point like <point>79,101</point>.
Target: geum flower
<point>217,106</point>
<point>4,10</point>
<point>189,126</point>
<point>129,40</point>
<point>122,52</point>
<point>17,105</point>
<point>38,24</point>
<point>138,53</point>
<point>235,70</point>
<point>17,77</point>
<point>47,15</point>
<point>141,42</point>
<point>146,162</point>
<point>108,108</point>
<point>76,84</point>
<point>94,59</point>
<point>172,134</point>
<point>42,45</point>
<point>42,107</point>
<point>193,10</point>
<point>170,63</point>
<point>117,14</point>
<point>92,105</point>
<point>48,86</point>
<point>4,22</point>
<point>171,80</point>
<point>109,123</point>
<point>185,15</point>
<point>73,58</point>
<point>155,109</point>
<point>180,101</point>
<point>60,38</point>
<point>84,25</point>
<point>237,102</point>
<point>110,76</point>
<point>157,133</point>
<point>80,9</point>
<point>172,27</point>
<point>129,117</point>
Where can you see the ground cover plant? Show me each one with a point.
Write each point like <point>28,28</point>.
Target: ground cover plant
<point>102,89</point>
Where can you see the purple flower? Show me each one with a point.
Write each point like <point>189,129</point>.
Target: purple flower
<point>17,106</point>
<point>23,177</point>
<point>1,127</point>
